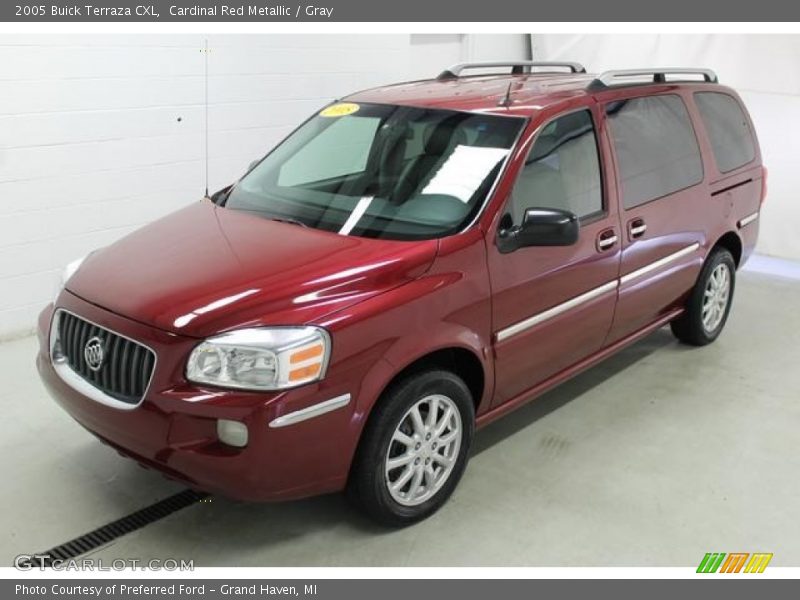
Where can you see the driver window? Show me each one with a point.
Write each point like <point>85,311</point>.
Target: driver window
<point>562,170</point>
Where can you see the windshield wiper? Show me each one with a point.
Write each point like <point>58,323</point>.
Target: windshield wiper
<point>273,217</point>
<point>288,220</point>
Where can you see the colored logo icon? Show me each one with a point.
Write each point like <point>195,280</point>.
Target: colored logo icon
<point>735,562</point>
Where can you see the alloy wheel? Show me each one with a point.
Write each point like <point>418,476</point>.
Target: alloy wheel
<point>423,450</point>
<point>715,297</point>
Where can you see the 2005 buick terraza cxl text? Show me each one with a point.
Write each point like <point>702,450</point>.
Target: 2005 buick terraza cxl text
<point>412,262</point>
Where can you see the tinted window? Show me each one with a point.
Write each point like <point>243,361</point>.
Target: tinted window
<point>657,151</point>
<point>562,170</point>
<point>371,170</point>
<point>728,130</point>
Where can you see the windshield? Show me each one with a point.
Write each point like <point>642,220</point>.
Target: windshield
<point>380,171</point>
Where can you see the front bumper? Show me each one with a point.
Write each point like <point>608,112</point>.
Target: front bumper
<point>174,428</point>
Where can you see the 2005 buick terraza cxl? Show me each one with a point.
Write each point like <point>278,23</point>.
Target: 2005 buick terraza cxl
<point>412,262</point>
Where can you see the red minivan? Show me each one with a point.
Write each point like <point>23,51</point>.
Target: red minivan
<point>411,263</point>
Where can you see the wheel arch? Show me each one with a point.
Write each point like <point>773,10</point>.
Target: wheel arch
<point>457,359</point>
<point>732,243</point>
<point>461,360</point>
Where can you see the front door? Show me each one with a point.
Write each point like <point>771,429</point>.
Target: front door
<point>553,306</point>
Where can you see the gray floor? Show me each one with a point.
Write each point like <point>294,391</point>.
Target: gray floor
<point>661,454</point>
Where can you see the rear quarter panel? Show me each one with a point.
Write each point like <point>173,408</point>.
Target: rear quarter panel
<point>736,194</point>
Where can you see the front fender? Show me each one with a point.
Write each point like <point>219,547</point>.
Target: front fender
<point>448,307</point>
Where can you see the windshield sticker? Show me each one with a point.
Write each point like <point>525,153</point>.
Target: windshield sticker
<point>464,171</point>
<point>339,110</point>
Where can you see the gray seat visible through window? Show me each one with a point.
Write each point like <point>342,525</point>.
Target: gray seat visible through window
<point>540,183</point>
<point>562,170</point>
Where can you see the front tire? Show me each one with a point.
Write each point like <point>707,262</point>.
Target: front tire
<point>415,448</point>
<point>709,302</point>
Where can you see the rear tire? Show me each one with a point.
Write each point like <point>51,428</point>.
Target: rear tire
<point>709,302</point>
<point>414,449</point>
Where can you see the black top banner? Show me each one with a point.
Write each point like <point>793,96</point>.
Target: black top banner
<point>409,10</point>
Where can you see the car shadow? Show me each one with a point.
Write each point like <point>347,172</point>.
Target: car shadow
<point>573,388</point>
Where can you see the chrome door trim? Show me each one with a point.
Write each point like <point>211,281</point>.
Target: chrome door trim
<point>661,262</point>
<point>747,220</point>
<point>538,318</point>
<point>541,317</point>
<point>315,410</point>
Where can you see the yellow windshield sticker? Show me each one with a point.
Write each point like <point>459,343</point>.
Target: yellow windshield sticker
<point>339,110</point>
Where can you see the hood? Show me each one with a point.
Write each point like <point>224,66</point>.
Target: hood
<point>206,269</point>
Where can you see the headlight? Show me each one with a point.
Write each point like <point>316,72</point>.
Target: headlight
<point>271,358</point>
<point>68,272</point>
<point>71,269</point>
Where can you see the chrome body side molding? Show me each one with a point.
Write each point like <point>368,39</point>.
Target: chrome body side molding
<point>541,317</point>
<point>577,301</point>
<point>661,262</point>
<point>315,410</point>
<point>743,222</point>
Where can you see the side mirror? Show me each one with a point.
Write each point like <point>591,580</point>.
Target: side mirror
<point>541,227</point>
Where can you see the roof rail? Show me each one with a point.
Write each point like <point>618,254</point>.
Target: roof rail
<point>657,75</point>
<point>518,67</point>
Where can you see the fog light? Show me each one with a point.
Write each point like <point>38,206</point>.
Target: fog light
<point>232,433</point>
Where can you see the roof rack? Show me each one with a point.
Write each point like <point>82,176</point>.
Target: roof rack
<point>518,67</point>
<point>657,75</point>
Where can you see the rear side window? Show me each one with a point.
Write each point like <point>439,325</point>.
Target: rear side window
<point>656,148</point>
<point>728,129</point>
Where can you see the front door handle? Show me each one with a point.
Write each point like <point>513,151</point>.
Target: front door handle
<point>606,239</point>
<point>636,228</point>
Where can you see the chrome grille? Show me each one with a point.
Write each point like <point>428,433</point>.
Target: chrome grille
<point>126,367</point>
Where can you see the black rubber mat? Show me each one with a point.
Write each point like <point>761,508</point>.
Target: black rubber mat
<point>107,533</point>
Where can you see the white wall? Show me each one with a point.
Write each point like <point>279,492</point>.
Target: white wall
<point>764,69</point>
<point>437,51</point>
<point>102,134</point>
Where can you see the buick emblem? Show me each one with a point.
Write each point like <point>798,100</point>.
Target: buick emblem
<point>94,353</point>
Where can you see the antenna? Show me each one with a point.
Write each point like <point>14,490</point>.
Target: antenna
<point>506,100</point>
<point>205,78</point>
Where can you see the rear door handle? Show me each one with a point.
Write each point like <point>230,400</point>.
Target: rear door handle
<point>636,228</point>
<point>606,239</point>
